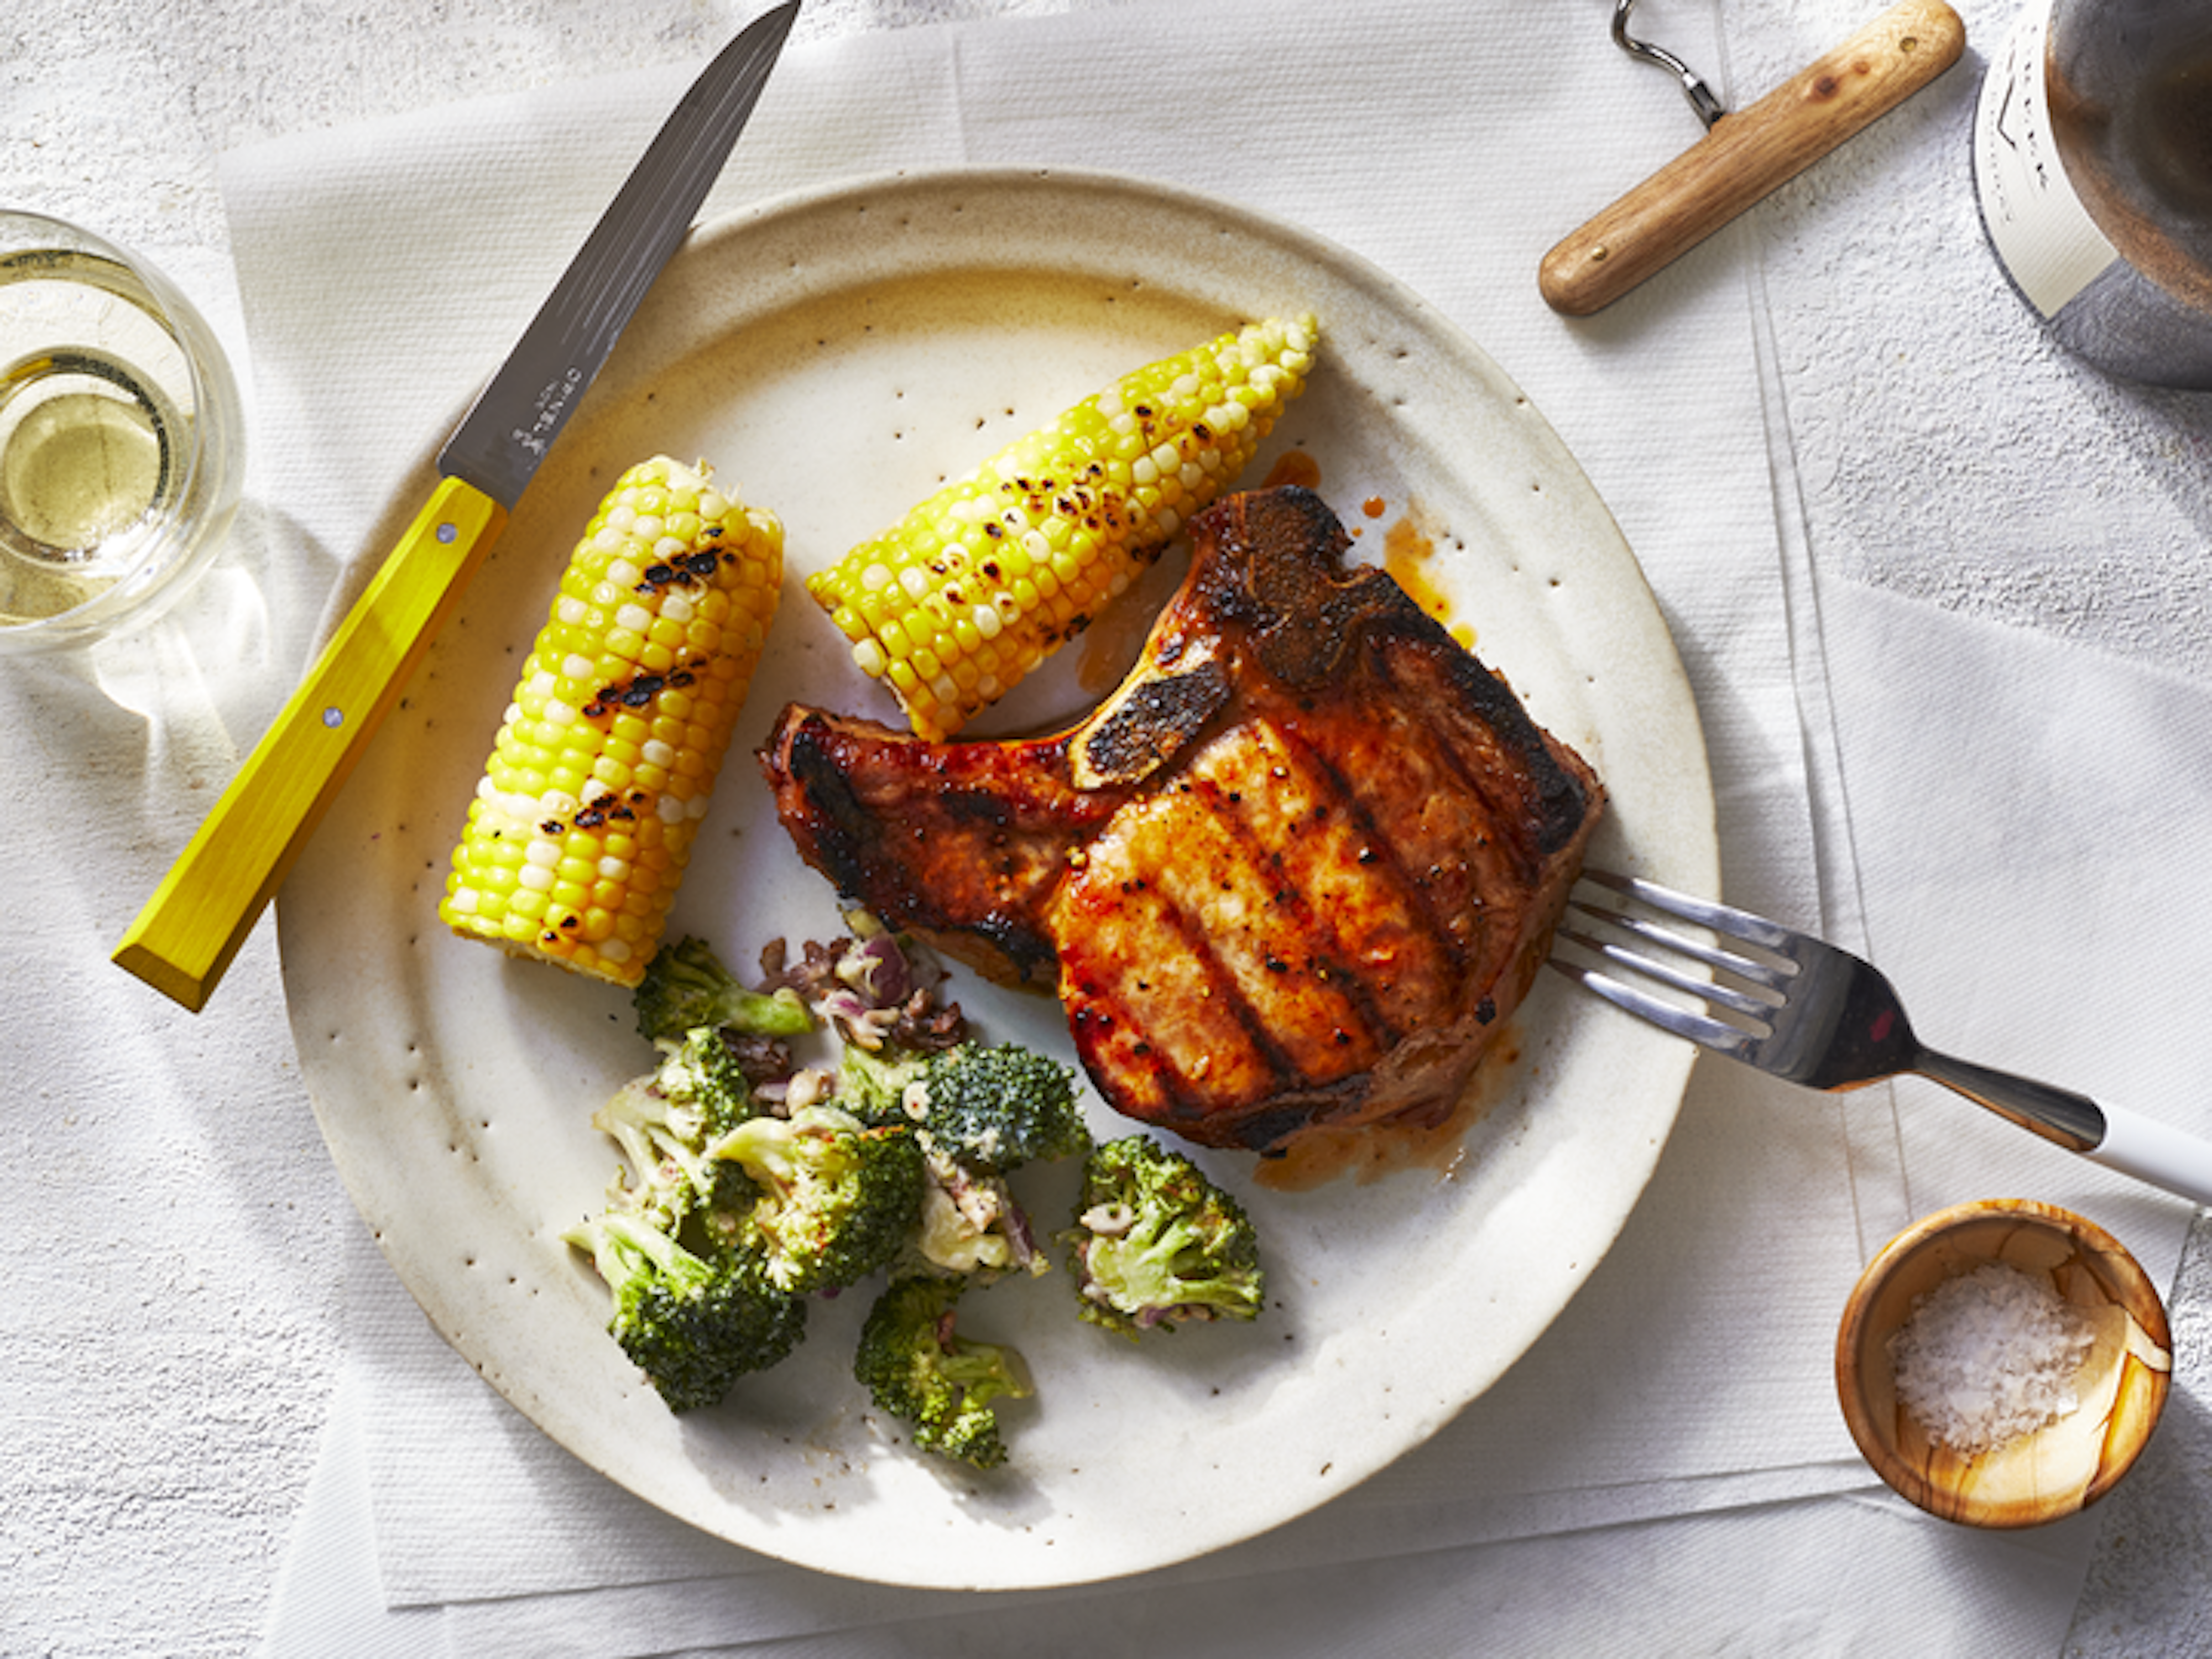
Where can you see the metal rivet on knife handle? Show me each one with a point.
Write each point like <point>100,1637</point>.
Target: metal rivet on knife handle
<point>1747,155</point>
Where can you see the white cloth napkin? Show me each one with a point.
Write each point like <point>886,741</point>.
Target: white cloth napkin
<point>385,269</point>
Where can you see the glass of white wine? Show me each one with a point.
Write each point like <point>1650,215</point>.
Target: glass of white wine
<point>121,437</point>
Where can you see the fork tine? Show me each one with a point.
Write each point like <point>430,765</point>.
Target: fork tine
<point>1700,1029</point>
<point>1703,913</point>
<point>1711,991</point>
<point>1770,976</point>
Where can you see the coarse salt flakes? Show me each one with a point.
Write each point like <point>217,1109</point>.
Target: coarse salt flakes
<point>1989,1356</point>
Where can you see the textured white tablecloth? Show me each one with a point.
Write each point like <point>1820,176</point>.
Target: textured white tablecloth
<point>1969,527</point>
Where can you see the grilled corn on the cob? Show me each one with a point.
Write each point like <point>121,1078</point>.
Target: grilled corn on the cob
<point>978,584</point>
<point>600,774</point>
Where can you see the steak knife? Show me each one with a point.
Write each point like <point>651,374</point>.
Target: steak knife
<point>185,937</point>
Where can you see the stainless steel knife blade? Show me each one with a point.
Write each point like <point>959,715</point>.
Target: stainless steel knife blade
<point>522,407</point>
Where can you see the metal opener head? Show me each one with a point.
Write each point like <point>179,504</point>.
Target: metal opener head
<point>1702,97</point>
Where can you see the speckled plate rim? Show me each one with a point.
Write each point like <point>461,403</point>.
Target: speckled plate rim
<point>833,353</point>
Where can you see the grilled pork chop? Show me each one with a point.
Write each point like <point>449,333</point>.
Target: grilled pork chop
<point>1295,872</point>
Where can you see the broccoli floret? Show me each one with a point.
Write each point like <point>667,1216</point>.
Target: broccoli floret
<point>981,1112</point>
<point>692,1325</point>
<point>664,1122</point>
<point>686,986</point>
<point>1156,1244</point>
<point>871,1084</point>
<point>837,1197</point>
<point>997,1109</point>
<point>701,1072</point>
<point>970,1225</point>
<point>918,1369</point>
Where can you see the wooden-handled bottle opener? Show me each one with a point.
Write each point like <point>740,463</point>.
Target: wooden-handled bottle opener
<point>1746,156</point>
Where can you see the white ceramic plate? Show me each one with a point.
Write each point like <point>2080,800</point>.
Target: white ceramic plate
<point>836,355</point>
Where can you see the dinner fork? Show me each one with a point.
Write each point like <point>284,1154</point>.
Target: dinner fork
<point>1806,1011</point>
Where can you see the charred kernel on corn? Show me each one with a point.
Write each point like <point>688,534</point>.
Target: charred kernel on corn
<point>980,583</point>
<point>602,768</point>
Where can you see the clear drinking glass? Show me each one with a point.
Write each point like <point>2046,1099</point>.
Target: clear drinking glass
<point>121,437</point>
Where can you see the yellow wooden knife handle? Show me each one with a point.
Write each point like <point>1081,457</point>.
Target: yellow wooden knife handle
<point>1747,155</point>
<point>185,937</point>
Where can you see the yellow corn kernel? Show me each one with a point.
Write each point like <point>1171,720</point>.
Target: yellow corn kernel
<point>979,584</point>
<point>601,770</point>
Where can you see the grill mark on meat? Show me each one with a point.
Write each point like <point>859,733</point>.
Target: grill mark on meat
<point>1414,987</point>
<point>1207,1030</point>
<point>1320,841</point>
<point>996,835</point>
<point>1556,807</point>
<point>1224,888</point>
<point>842,826</point>
<point>1391,777</point>
<point>1275,950</point>
<point>1367,1029</point>
<point>1504,805</point>
<point>1510,846</point>
<point>1231,991</point>
<point>1146,994</point>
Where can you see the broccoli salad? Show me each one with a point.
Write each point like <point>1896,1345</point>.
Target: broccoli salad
<point>751,1184</point>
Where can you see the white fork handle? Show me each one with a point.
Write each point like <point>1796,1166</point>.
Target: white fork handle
<point>2150,1151</point>
<point>2126,1141</point>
